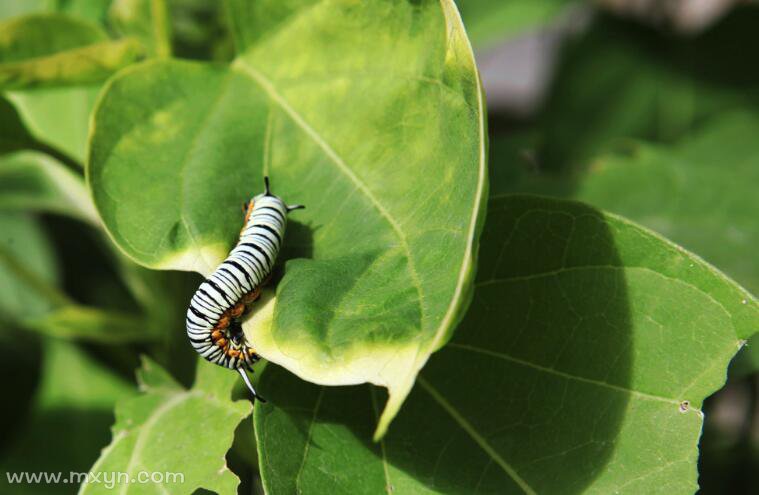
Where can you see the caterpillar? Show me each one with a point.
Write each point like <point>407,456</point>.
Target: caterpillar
<point>214,318</point>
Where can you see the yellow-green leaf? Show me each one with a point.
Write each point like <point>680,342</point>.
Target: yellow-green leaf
<point>383,142</point>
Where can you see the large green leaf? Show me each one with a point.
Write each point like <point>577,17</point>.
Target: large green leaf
<point>32,181</point>
<point>581,367</point>
<point>384,143</point>
<point>55,49</point>
<point>68,422</point>
<point>170,429</point>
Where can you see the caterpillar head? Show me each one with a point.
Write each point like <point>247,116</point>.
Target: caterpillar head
<point>267,194</point>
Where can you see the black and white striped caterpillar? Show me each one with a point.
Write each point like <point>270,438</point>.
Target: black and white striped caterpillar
<point>214,323</point>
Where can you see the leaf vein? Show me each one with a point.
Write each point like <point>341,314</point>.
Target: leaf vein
<point>475,435</point>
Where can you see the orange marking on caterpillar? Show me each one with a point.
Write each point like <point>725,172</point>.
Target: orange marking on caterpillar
<point>252,296</point>
<point>237,310</point>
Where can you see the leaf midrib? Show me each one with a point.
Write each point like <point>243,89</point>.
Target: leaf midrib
<point>144,428</point>
<point>267,86</point>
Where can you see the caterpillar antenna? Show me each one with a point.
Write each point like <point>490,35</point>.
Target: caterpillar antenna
<point>266,184</point>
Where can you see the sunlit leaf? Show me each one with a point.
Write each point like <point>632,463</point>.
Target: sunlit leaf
<point>383,143</point>
<point>170,429</point>
<point>580,367</point>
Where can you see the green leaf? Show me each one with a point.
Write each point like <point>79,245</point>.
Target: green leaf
<point>697,191</point>
<point>27,268</point>
<point>15,136</point>
<point>147,20</point>
<point>73,321</point>
<point>33,181</point>
<point>490,21</point>
<point>30,298</point>
<point>55,50</point>
<point>700,192</point>
<point>58,117</point>
<point>624,80</point>
<point>200,30</point>
<point>169,429</point>
<point>350,127</point>
<point>580,367</point>
<point>68,422</point>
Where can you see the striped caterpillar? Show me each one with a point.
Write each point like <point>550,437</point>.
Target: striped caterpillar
<point>214,318</point>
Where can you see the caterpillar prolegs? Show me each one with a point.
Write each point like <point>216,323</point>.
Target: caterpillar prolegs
<point>214,323</point>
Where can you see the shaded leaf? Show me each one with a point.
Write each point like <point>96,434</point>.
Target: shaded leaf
<point>699,192</point>
<point>169,429</point>
<point>92,324</point>
<point>15,136</point>
<point>200,30</point>
<point>147,20</point>
<point>69,420</point>
<point>623,80</point>
<point>25,253</point>
<point>580,367</point>
<point>350,127</point>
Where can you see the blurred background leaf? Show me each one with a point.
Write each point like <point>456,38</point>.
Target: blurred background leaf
<point>69,417</point>
<point>489,22</point>
<point>28,268</point>
<point>33,181</point>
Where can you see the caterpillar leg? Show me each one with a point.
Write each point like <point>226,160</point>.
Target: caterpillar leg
<point>250,385</point>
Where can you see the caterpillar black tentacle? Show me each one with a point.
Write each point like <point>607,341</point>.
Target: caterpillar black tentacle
<point>214,316</point>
